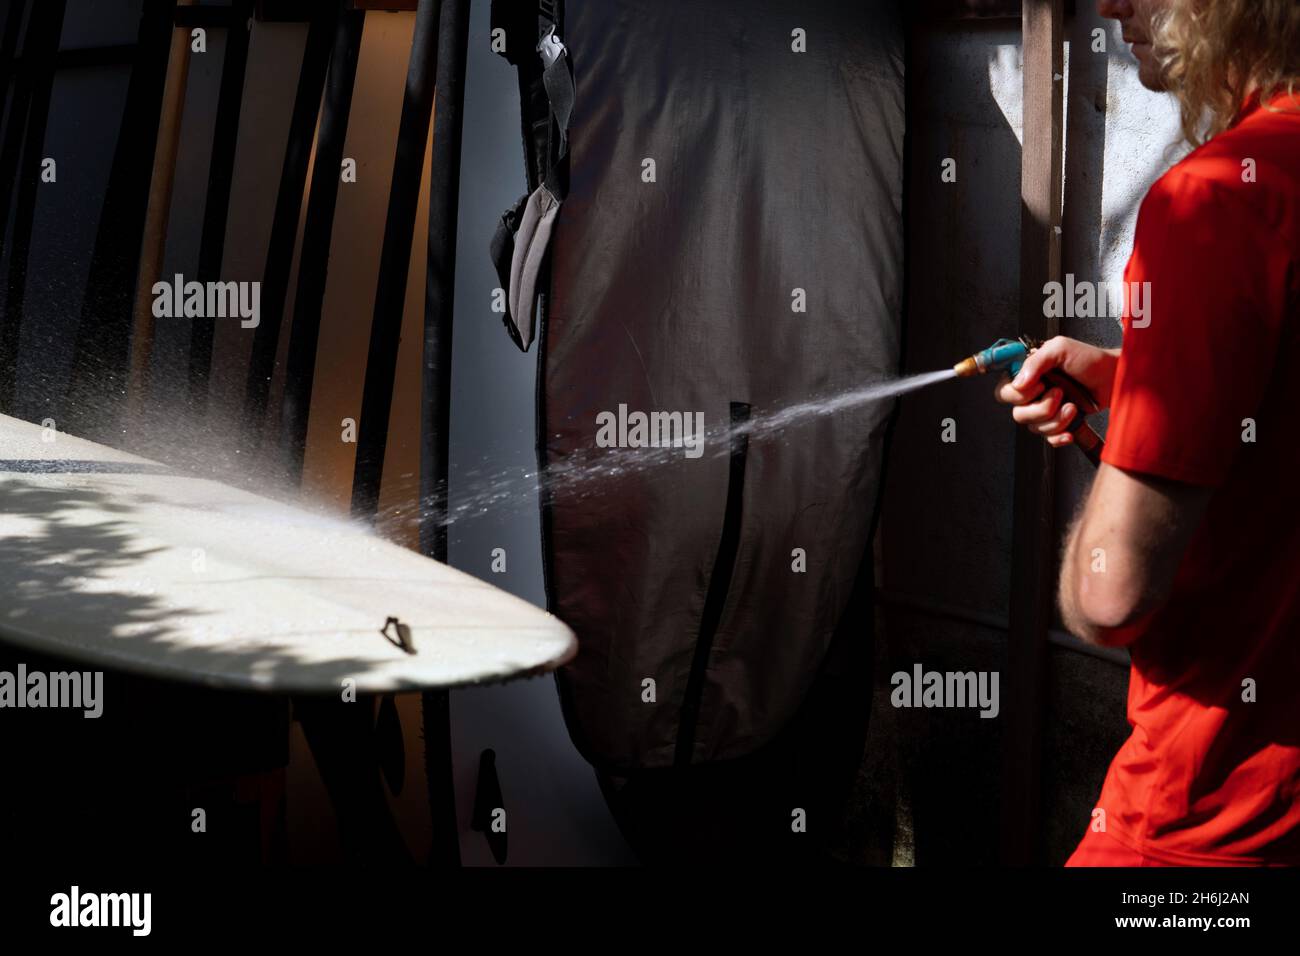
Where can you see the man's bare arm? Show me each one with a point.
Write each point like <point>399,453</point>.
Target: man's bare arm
<point>1124,549</point>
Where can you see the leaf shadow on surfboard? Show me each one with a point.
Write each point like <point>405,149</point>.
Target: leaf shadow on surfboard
<point>119,561</point>
<point>48,568</point>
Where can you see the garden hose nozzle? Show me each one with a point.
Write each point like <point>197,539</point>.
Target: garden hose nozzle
<point>1009,355</point>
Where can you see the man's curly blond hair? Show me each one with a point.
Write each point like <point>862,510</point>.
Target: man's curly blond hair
<point>1215,53</point>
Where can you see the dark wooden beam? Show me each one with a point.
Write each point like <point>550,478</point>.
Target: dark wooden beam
<point>1033,562</point>
<point>101,356</point>
<point>288,208</point>
<point>318,231</point>
<point>29,115</point>
<point>395,261</point>
<point>435,385</point>
<point>440,276</point>
<point>216,206</point>
<point>153,243</point>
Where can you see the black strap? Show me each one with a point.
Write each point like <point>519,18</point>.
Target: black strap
<point>503,251</point>
<point>547,91</point>
<point>547,94</point>
<point>557,78</point>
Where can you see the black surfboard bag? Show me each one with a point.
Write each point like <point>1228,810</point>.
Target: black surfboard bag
<point>712,234</point>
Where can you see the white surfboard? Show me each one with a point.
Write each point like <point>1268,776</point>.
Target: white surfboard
<point>114,560</point>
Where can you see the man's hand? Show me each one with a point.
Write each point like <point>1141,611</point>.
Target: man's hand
<point>1125,548</point>
<point>1043,413</point>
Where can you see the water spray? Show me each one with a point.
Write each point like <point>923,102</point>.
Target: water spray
<point>1009,355</point>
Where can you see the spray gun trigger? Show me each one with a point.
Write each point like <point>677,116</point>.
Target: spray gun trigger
<point>1031,345</point>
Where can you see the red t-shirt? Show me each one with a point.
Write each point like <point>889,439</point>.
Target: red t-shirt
<point>1208,775</point>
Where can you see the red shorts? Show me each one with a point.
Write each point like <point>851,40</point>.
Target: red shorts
<point>1100,849</point>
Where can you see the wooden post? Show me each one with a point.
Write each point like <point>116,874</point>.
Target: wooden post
<point>395,262</point>
<point>435,384</point>
<point>29,115</point>
<point>216,206</point>
<point>101,360</point>
<point>9,46</point>
<point>317,233</point>
<point>1033,582</point>
<point>288,208</point>
<point>154,244</point>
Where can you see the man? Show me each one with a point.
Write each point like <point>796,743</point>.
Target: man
<point>1187,550</point>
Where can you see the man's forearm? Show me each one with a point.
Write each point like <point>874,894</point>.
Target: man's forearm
<point>1068,591</point>
<point>1123,550</point>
